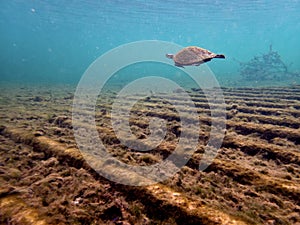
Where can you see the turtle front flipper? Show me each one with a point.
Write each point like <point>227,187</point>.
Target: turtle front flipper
<point>207,60</point>
<point>179,65</point>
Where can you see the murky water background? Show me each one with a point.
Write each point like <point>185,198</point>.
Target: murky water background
<point>55,41</point>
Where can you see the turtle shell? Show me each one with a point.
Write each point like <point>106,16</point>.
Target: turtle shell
<point>193,56</point>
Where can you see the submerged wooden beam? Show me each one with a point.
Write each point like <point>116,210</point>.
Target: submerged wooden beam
<point>186,210</point>
<point>15,211</point>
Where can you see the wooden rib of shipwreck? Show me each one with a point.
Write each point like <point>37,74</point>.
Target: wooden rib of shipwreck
<point>186,210</point>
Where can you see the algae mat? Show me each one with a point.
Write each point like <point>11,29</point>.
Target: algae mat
<point>255,178</point>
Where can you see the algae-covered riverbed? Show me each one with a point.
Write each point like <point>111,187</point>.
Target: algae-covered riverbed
<point>253,180</point>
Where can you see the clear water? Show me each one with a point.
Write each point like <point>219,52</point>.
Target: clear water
<point>55,41</point>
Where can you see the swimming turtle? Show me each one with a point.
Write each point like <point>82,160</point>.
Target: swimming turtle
<point>193,56</point>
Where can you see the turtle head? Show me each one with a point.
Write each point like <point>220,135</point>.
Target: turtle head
<point>170,56</point>
<point>220,56</point>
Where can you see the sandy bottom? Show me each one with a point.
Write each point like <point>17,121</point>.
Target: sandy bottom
<point>255,178</point>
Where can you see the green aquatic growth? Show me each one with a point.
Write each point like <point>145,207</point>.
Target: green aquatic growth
<point>268,66</point>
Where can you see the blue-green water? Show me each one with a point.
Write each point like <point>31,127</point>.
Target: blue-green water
<point>55,41</point>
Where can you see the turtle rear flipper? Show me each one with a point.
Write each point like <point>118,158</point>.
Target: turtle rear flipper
<point>170,56</point>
